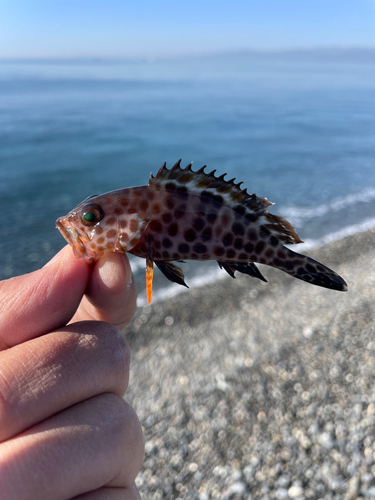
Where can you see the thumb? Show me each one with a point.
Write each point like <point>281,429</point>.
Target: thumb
<point>111,295</point>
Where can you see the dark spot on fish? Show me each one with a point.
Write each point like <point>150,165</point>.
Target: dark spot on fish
<point>150,194</point>
<point>219,251</point>
<point>133,225</point>
<point>218,231</point>
<point>110,221</point>
<point>252,235</point>
<point>251,217</point>
<point>289,265</point>
<point>143,205</point>
<point>155,226</point>
<point>301,271</point>
<point>156,208</point>
<point>182,191</point>
<point>200,248</point>
<point>230,253</point>
<point>259,247</point>
<point>167,218</point>
<point>171,186</point>
<point>264,232</point>
<point>118,211</point>
<point>190,235</point>
<point>173,229</point>
<point>167,243</point>
<point>123,223</point>
<point>157,244</point>
<point>100,240</point>
<point>238,244</point>
<point>124,202</point>
<point>249,247</point>
<point>240,209</point>
<point>111,233</point>
<point>207,233</point>
<point>238,229</point>
<point>310,268</point>
<point>274,241</point>
<point>165,254</point>
<point>184,248</point>
<point>228,239</point>
<point>180,211</point>
<point>198,224</point>
<point>99,230</point>
<point>243,256</point>
<point>169,202</point>
<point>277,262</point>
<point>225,219</point>
<point>269,253</point>
<point>211,217</point>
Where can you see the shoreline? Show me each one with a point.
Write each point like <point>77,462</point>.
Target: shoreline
<point>263,390</point>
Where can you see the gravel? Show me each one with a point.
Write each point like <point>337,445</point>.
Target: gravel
<point>248,390</point>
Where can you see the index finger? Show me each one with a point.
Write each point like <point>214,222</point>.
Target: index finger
<point>42,301</point>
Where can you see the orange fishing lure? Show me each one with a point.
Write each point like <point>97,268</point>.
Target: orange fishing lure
<point>184,215</point>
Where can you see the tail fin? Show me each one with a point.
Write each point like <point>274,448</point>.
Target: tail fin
<point>306,269</point>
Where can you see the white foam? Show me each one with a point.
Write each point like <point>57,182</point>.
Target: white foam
<point>337,235</point>
<point>299,215</point>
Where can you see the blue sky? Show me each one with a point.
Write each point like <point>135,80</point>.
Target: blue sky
<point>118,28</point>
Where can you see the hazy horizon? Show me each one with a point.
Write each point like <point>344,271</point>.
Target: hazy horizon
<point>148,29</point>
<point>357,54</point>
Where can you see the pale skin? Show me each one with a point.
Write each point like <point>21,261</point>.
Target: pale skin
<point>65,430</point>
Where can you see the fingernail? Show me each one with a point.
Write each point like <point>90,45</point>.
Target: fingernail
<point>55,258</point>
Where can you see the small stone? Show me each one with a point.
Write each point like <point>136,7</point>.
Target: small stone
<point>281,493</point>
<point>325,440</point>
<point>295,491</point>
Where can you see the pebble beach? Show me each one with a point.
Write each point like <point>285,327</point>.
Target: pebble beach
<point>251,390</point>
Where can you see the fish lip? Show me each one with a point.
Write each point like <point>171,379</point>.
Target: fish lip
<point>72,236</point>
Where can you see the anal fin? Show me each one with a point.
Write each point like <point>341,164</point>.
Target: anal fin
<point>172,272</point>
<point>149,277</point>
<point>250,268</point>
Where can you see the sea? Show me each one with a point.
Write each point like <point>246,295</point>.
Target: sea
<point>297,128</point>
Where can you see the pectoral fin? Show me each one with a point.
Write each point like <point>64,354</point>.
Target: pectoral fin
<point>130,229</point>
<point>172,272</point>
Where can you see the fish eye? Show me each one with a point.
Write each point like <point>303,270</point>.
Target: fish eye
<point>92,214</point>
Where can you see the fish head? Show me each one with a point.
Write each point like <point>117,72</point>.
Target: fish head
<point>98,225</point>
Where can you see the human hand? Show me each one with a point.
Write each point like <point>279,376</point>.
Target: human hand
<point>65,431</point>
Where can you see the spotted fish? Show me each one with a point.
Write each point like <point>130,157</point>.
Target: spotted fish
<point>184,215</point>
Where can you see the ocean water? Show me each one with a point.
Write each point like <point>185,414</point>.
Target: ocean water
<point>301,133</point>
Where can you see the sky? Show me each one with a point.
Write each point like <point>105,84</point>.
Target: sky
<point>164,28</point>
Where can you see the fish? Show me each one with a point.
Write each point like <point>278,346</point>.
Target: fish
<point>190,215</point>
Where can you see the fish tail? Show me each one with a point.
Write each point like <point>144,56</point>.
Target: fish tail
<point>307,269</point>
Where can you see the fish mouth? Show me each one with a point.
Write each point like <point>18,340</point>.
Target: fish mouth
<point>73,237</point>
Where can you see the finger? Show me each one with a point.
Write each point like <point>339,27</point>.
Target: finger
<point>48,374</point>
<point>107,493</point>
<point>42,301</point>
<point>93,444</point>
<point>111,295</point>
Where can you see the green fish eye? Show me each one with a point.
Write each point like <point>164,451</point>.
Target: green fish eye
<point>92,214</point>
<point>89,217</point>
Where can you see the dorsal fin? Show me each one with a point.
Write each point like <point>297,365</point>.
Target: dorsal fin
<point>225,191</point>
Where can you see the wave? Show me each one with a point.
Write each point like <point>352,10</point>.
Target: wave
<point>299,215</point>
